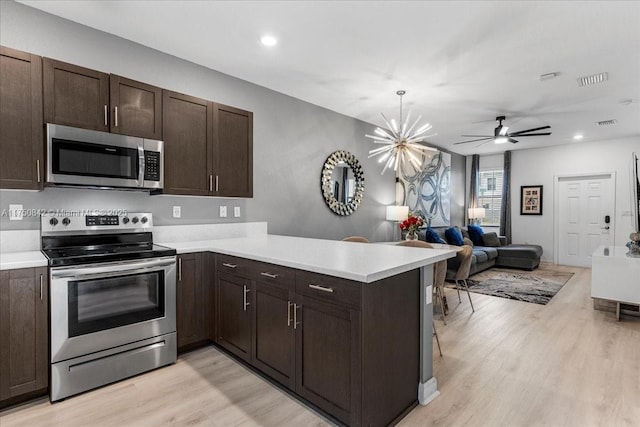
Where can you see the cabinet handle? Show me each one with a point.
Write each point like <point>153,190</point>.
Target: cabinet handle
<point>272,276</point>
<point>41,287</point>
<point>216,183</point>
<point>116,116</point>
<point>289,304</point>
<point>321,288</point>
<point>244,301</point>
<point>38,168</point>
<point>295,315</point>
<point>180,269</point>
<point>229,265</point>
<point>106,122</point>
<point>210,182</point>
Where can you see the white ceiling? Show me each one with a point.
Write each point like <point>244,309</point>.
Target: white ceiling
<point>462,63</point>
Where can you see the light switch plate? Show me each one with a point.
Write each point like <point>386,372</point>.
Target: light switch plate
<point>223,211</point>
<point>177,212</point>
<point>429,293</point>
<point>236,211</point>
<point>15,212</point>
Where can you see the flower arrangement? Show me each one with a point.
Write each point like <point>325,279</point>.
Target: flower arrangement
<point>634,245</point>
<point>411,225</point>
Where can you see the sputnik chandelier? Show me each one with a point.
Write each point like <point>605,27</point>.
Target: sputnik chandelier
<point>400,144</point>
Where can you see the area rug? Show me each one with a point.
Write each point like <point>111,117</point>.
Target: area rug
<point>537,286</point>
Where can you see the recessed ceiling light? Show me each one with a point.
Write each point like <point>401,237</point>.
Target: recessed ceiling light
<point>268,40</point>
<point>593,79</point>
<point>577,137</point>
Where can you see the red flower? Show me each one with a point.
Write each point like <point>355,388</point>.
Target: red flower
<point>412,224</point>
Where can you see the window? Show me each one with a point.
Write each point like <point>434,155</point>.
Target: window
<point>490,195</point>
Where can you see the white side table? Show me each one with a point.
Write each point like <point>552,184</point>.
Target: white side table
<point>615,276</point>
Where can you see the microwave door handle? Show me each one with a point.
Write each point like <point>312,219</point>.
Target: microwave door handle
<point>112,269</point>
<point>141,162</point>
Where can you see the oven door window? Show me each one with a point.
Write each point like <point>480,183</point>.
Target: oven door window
<point>84,159</point>
<point>110,302</point>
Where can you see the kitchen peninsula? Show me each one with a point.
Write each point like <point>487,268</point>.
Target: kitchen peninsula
<point>346,326</point>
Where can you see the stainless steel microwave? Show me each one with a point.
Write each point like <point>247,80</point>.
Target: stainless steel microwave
<point>89,158</point>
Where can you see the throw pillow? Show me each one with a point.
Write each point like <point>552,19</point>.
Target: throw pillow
<point>432,237</point>
<point>465,233</point>
<point>491,240</point>
<point>467,241</point>
<point>454,237</point>
<point>475,234</point>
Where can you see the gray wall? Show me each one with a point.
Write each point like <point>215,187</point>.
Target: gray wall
<point>292,139</point>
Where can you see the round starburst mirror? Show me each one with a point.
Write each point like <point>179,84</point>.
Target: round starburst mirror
<point>342,182</point>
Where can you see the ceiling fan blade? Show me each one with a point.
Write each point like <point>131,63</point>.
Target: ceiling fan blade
<point>477,136</point>
<point>530,130</point>
<point>511,140</point>
<point>483,143</point>
<point>532,134</point>
<point>472,140</point>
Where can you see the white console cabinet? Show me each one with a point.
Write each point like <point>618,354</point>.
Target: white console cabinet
<point>615,276</point>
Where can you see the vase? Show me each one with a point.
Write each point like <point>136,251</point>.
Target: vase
<point>411,237</point>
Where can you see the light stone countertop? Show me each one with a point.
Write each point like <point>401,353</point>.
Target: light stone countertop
<point>363,262</point>
<point>25,259</point>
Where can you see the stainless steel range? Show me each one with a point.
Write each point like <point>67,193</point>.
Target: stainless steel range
<point>113,299</point>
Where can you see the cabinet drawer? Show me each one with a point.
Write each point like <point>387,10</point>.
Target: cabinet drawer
<point>233,265</point>
<point>327,288</point>
<point>276,275</point>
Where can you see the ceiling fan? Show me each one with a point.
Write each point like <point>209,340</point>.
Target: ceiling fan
<point>500,134</point>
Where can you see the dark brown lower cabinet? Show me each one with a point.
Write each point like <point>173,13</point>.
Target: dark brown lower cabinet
<point>274,345</point>
<point>349,348</point>
<point>234,307</point>
<point>190,303</point>
<point>24,334</point>
<point>328,357</point>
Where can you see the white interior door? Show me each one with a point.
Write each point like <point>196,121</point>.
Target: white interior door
<point>585,217</point>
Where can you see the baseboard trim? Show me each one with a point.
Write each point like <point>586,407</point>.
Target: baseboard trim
<point>428,391</point>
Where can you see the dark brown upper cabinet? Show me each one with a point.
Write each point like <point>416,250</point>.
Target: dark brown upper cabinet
<point>188,145</point>
<point>75,96</point>
<point>89,99</point>
<point>21,141</point>
<point>208,147</point>
<point>136,108</point>
<point>233,140</point>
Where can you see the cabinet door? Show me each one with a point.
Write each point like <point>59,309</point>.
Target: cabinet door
<point>21,126</point>
<point>233,139</point>
<point>209,272</point>
<point>24,330</point>
<point>75,96</point>
<point>187,145</point>
<point>274,345</point>
<point>328,355</point>
<point>190,300</point>
<point>234,314</point>
<point>136,108</point>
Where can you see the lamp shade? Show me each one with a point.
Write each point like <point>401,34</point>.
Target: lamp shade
<point>397,213</point>
<point>476,213</point>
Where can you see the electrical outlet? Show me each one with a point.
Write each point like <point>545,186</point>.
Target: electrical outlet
<point>223,211</point>
<point>177,212</point>
<point>15,212</point>
<point>236,211</point>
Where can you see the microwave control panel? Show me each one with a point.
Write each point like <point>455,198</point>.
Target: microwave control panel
<point>151,165</point>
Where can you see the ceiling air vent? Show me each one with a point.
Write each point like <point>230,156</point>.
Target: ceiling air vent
<point>593,79</point>
<point>607,122</point>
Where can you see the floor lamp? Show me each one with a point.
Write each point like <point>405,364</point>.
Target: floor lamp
<point>397,214</point>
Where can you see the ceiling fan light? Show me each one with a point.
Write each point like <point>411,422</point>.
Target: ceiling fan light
<point>501,140</point>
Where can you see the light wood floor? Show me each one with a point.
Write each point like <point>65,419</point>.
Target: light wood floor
<point>508,364</point>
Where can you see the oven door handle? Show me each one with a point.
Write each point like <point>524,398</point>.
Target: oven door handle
<point>117,268</point>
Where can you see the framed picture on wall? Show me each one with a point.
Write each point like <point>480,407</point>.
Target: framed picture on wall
<point>531,200</point>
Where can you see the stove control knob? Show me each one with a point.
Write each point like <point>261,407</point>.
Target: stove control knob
<point>144,220</point>
<point>125,220</point>
<point>66,221</point>
<point>135,220</point>
<point>53,221</point>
